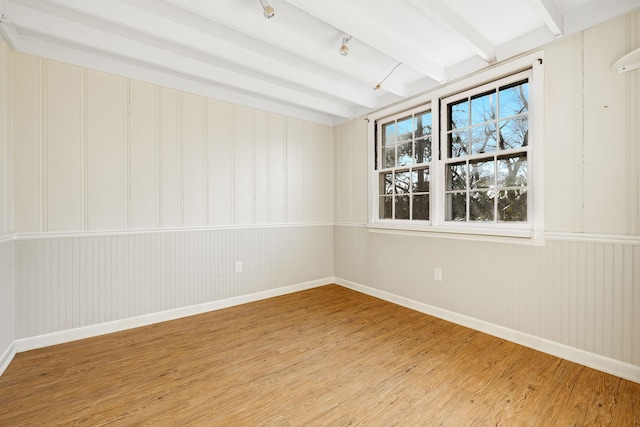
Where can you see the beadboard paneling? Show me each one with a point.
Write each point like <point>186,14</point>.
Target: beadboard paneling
<point>350,171</point>
<point>220,162</point>
<point>27,142</point>
<point>107,108</point>
<point>243,178</point>
<point>591,140</point>
<point>143,155</point>
<point>277,183</point>
<point>70,282</point>
<point>604,120</point>
<point>99,152</point>
<point>193,160</point>
<point>169,161</point>
<point>7,289</point>
<point>64,150</point>
<point>581,294</point>
<point>6,153</point>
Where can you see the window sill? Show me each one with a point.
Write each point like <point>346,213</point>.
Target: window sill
<point>512,235</point>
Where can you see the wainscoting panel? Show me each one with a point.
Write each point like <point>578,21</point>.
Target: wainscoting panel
<point>583,294</point>
<point>7,314</point>
<point>102,152</point>
<point>71,282</point>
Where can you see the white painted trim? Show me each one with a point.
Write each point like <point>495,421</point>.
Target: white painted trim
<point>8,31</point>
<point>591,360</point>
<point>550,14</point>
<point>68,335</point>
<point>615,239</point>
<point>476,234</point>
<point>128,232</point>
<point>7,357</point>
<point>350,224</point>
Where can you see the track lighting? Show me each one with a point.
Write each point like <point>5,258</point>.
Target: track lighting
<point>267,9</point>
<point>344,49</point>
<point>377,87</point>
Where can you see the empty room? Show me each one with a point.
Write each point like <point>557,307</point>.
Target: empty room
<point>293,212</point>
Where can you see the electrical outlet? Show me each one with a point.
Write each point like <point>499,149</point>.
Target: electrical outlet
<point>238,266</point>
<point>437,274</point>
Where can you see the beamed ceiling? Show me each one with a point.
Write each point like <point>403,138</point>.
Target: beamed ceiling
<point>291,64</point>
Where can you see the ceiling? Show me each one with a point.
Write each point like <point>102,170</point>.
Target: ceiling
<point>291,64</point>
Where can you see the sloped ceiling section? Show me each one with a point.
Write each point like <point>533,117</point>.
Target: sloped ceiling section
<point>291,63</point>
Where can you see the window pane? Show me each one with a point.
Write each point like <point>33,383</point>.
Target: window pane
<point>514,133</point>
<point>481,206</point>
<point>512,205</point>
<point>512,171</point>
<point>389,132</point>
<point>402,207</point>
<point>482,174</point>
<point>386,208</point>
<point>420,180</point>
<point>458,115</point>
<point>405,155</point>
<point>483,139</point>
<point>405,129</point>
<point>457,176</point>
<point>423,151</point>
<point>389,154</point>
<point>423,124</point>
<point>421,207</point>
<point>456,206</point>
<point>457,144</point>
<point>483,108</point>
<point>514,99</point>
<point>403,180</point>
<point>386,183</point>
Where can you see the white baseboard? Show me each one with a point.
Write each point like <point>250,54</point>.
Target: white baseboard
<point>7,357</point>
<point>40,341</point>
<point>595,361</point>
<point>592,360</point>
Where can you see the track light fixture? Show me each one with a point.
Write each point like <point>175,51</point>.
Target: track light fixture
<point>267,9</point>
<point>344,49</point>
<point>377,87</point>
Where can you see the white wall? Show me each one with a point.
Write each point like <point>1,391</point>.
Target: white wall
<point>132,199</point>
<point>7,288</point>
<point>98,152</point>
<point>582,289</point>
<point>127,199</point>
<point>66,283</point>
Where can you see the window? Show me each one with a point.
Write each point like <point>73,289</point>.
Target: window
<point>459,160</point>
<point>487,146</point>
<point>404,164</point>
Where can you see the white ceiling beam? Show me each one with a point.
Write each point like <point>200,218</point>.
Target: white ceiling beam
<point>46,48</point>
<point>354,23</point>
<point>168,28</point>
<point>595,13</point>
<point>7,29</point>
<point>437,10</point>
<point>303,45</point>
<point>63,29</point>
<point>550,14</point>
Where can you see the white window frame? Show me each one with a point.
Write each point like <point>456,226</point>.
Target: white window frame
<point>533,230</point>
<point>412,112</point>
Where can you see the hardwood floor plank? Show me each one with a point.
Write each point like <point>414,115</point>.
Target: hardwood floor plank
<point>326,356</point>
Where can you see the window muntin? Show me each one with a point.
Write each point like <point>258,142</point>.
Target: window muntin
<point>487,152</point>
<point>517,181</point>
<point>404,166</point>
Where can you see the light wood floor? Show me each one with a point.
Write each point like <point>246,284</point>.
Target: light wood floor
<point>327,356</point>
